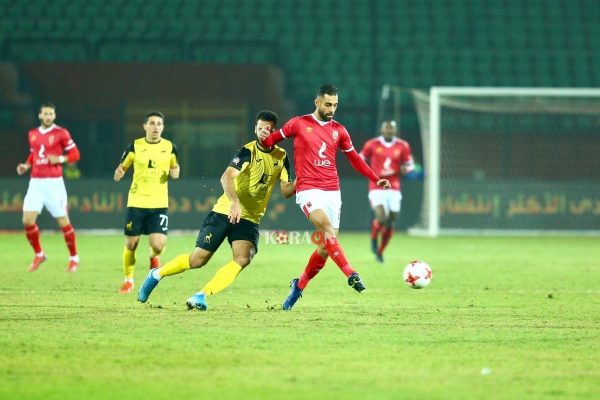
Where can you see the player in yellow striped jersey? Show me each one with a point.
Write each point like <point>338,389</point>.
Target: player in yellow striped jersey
<point>154,161</point>
<point>248,183</point>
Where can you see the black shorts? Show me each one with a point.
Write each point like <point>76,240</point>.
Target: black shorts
<point>144,221</point>
<point>216,227</point>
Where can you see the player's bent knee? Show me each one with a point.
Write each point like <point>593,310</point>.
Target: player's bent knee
<point>28,220</point>
<point>243,261</point>
<point>197,261</point>
<point>158,248</point>
<point>132,243</point>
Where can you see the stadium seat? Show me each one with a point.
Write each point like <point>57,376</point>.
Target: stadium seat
<point>415,43</point>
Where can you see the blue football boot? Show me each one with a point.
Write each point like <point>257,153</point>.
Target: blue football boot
<point>197,301</point>
<point>293,297</point>
<point>147,287</point>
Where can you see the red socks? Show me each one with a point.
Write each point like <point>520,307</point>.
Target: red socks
<point>375,228</point>
<point>33,236</point>
<point>315,264</point>
<point>69,234</point>
<point>336,253</point>
<point>385,238</point>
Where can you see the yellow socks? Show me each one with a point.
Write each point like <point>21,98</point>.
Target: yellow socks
<point>223,278</point>
<point>153,252</point>
<point>128,262</point>
<point>175,266</point>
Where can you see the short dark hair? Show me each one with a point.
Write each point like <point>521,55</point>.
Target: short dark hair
<point>267,115</point>
<point>153,114</point>
<point>328,89</point>
<point>47,105</point>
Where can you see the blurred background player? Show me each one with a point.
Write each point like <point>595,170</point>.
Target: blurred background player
<point>388,156</point>
<point>47,145</point>
<point>248,183</point>
<point>154,160</point>
<point>317,137</point>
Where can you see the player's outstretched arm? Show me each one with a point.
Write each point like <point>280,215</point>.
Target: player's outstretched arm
<point>272,139</point>
<point>119,173</point>
<point>361,166</point>
<point>228,183</point>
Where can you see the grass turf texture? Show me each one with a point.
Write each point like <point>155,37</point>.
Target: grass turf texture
<point>525,311</point>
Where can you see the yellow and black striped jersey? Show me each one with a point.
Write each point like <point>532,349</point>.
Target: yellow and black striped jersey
<point>151,163</point>
<point>259,173</point>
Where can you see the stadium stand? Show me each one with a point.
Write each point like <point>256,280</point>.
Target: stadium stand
<point>358,44</point>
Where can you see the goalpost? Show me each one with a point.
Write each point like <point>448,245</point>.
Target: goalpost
<point>509,160</point>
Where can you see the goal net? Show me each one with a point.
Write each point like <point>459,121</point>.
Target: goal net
<point>511,160</point>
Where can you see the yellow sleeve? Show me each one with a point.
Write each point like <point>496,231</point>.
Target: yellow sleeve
<point>128,156</point>
<point>241,160</point>
<point>174,162</point>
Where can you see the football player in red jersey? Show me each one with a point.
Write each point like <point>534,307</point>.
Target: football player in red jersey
<point>50,146</point>
<point>317,137</point>
<point>388,156</point>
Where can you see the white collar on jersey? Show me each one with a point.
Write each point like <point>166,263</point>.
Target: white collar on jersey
<point>387,144</point>
<point>43,130</point>
<point>322,123</point>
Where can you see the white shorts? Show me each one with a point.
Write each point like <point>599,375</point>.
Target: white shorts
<point>330,201</point>
<point>49,193</point>
<point>389,199</point>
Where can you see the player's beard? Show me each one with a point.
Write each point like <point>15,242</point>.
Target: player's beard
<point>324,117</point>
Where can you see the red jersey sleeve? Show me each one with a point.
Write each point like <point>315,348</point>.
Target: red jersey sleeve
<point>290,128</point>
<point>406,156</point>
<point>70,147</point>
<point>345,142</point>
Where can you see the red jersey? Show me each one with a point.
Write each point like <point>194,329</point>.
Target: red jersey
<point>43,142</point>
<point>315,147</point>
<point>387,158</point>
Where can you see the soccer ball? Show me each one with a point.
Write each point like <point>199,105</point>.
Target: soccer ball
<point>417,274</point>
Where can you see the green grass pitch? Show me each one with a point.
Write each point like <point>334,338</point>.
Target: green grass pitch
<point>504,318</point>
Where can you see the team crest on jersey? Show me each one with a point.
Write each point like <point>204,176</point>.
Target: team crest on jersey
<point>335,135</point>
<point>397,153</point>
<point>309,129</point>
<point>51,139</point>
<point>264,179</point>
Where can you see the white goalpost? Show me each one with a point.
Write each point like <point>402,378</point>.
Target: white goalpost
<point>509,160</point>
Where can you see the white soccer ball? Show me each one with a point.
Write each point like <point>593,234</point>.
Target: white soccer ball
<point>417,274</point>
